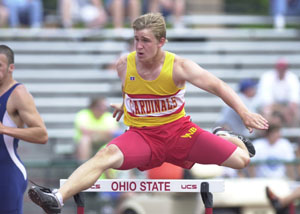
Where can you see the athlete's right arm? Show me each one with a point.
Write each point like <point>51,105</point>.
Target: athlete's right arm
<point>121,67</point>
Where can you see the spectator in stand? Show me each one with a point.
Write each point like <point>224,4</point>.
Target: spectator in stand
<point>95,127</point>
<point>272,151</point>
<point>118,8</point>
<point>3,15</point>
<point>176,8</point>
<point>229,119</point>
<point>278,10</point>
<point>89,12</point>
<point>278,91</point>
<point>282,204</point>
<point>26,12</point>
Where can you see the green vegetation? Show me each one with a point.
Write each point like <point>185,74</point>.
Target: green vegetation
<point>252,7</point>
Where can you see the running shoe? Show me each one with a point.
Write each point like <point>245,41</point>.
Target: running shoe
<point>219,131</point>
<point>45,198</point>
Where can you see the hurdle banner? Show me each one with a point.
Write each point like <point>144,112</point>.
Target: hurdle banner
<point>204,187</point>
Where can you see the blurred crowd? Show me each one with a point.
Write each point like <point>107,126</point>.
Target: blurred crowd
<point>87,13</point>
<point>276,95</point>
<point>115,13</point>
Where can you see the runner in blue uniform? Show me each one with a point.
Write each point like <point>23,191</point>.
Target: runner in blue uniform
<point>17,111</point>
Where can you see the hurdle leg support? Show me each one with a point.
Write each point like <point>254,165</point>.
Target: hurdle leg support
<point>207,198</point>
<point>79,200</point>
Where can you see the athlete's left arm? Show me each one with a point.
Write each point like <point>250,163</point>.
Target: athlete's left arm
<point>187,70</point>
<point>22,110</point>
<point>121,66</point>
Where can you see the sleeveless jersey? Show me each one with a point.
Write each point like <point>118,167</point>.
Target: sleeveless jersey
<point>13,179</point>
<point>152,102</point>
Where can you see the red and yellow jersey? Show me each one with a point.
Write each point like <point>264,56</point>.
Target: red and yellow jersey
<point>152,102</point>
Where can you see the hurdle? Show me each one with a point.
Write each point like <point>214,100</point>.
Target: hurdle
<point>204,187</point>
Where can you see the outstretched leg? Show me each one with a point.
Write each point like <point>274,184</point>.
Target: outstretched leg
<point>82,178</point>
<point>130,144</point>
<point>89,172</point>
<point>229,151</point>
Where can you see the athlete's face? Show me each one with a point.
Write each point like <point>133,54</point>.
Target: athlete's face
<point>146,45</point>
<point>5,69</point>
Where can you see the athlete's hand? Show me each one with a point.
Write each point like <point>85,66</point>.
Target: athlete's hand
<point>118,110</point>
<point>256,121</point>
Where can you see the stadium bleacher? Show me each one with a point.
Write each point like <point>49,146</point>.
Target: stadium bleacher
<point>62,69</point>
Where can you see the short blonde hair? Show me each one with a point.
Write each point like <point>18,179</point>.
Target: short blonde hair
<point>153,21</point>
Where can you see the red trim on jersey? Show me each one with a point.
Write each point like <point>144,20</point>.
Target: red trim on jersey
<point>149,96</point>
<point>165,115</point>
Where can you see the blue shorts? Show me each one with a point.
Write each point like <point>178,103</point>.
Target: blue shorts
<point>12,189</point>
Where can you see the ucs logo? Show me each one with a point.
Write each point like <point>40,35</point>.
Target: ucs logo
<point>96,186</point>
<point>189,186</point>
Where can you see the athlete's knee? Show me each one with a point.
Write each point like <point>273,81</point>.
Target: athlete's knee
<point>238,160</point>
<point>243,161</point>
<point>112,155</point>
<point>239,163</point>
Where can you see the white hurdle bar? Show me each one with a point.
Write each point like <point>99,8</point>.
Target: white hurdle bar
<point>204,187</point>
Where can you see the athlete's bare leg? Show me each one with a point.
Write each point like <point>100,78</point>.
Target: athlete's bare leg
<point>89,172</point>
